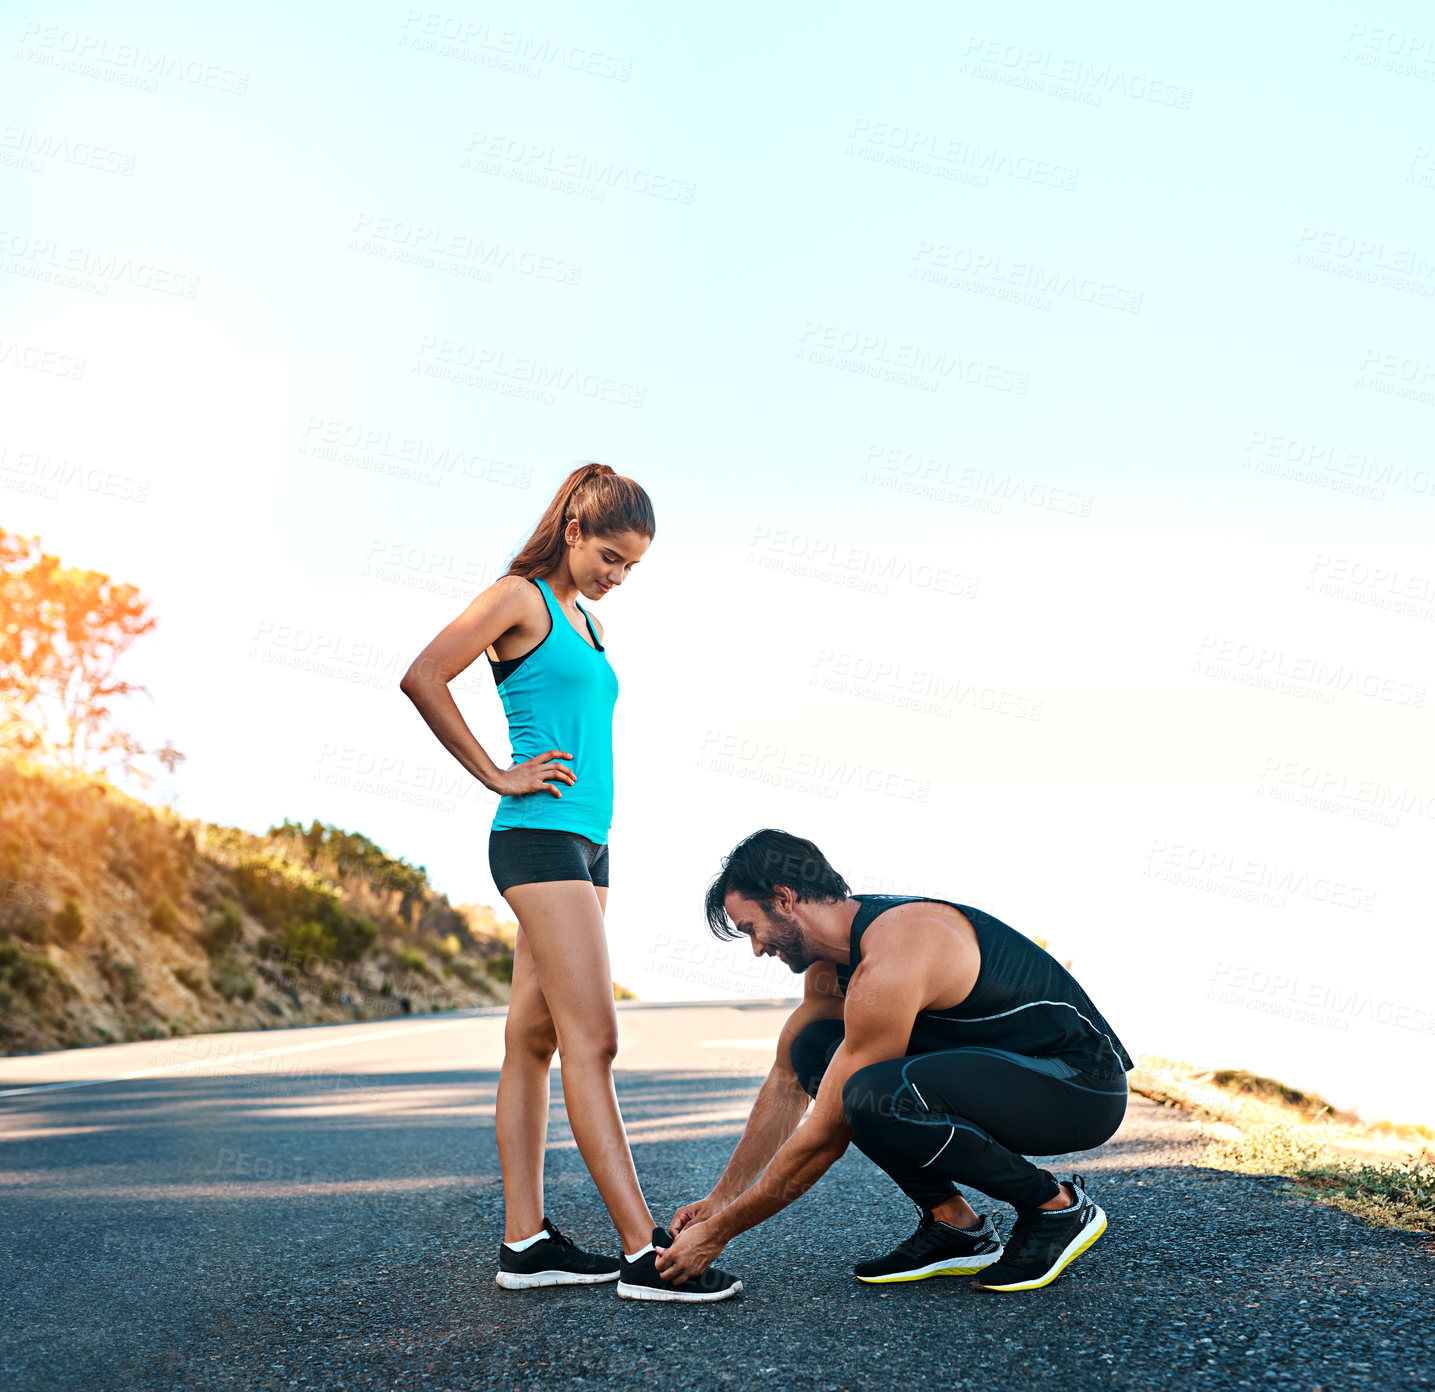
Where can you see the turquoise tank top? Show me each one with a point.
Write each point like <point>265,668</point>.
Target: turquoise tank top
<point>560,695</point>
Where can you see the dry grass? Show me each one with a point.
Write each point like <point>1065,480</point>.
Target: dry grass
<point>1383,1172</point>
<point>121,920</point>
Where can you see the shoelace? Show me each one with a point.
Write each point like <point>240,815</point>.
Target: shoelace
<point>555,1236</point>
<point>926,1234</point>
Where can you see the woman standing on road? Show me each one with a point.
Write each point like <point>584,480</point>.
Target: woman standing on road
<point>548,854</point>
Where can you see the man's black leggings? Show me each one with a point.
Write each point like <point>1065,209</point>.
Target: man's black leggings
<point>966,1115</point>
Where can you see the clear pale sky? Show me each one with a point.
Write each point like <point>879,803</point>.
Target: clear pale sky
<point>1036,407</point>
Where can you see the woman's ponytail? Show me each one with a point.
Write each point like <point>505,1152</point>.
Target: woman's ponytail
<point>604,504</point>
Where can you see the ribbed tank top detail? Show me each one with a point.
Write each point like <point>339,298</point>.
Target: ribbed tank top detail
<point>560,695</point>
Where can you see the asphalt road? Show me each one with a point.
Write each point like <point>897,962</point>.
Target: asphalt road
<point>320,1208</point>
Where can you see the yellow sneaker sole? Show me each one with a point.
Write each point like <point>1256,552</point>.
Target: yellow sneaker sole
<point>1066,1260</point>
<point>925,1274</point>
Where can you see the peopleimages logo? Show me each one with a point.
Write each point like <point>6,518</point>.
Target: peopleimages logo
<point>1349,795</point>
<point>83,268</point>
<point>536,379</point>
<point>802,770</point>
<point>433,247</point>
<point>1272,666</point>
<point>99,55</point>
<point>1247,878</point>
<point>45,474</point>
<point>511,49</point>
<point>822,558</point>
<point>943,263</point>
<point>1021,65</point>
<point>950,479</point>
<point>928,152</point>
<point>1282,993</point>
<point>532,161</point>
<point>916,689</point>
<point>909,364</point>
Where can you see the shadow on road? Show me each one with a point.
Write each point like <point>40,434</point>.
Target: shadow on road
<point>246,1230</point>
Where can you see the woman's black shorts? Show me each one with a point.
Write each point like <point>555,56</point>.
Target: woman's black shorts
<point>532,855</point>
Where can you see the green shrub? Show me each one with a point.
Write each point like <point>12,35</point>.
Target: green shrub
<point>1389,1194</point>
<point>189,978</point>
<point>283,896</point>
<point>25,974</point>
<point>306,940</point>
<point>500,968</point>
<point>411,959</point>
<point>21,918</point>
<point>69,922</point>
<point>230,982</point>
<point>126,978</point>
<point>471,975</point>
<point>223,928</point>
<point>1244,1081</point>
<point>354,934</point>
<point>353,854</point>
<point>277,891</point>
<point>162,917</point>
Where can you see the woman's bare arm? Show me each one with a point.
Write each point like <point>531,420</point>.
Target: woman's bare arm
<point>502,606</point>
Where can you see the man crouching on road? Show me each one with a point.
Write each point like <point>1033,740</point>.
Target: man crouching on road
<point>944,1044</point>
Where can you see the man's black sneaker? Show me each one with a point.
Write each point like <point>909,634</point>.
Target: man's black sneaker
<point>936,1249</point>
<point>640,1279</point>
<point>554,1261</point>
<point>1044,1242</point>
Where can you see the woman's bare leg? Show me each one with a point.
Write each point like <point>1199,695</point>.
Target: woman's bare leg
<point>563,923</point>
<point>521,1106</point>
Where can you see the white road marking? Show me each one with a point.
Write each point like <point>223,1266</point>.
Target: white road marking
<point>233,1058</point>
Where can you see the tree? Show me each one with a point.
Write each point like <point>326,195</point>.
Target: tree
<point>169,756</point>
<point>62,632</point>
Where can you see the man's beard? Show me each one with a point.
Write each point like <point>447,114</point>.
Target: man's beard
<point>786,938</point>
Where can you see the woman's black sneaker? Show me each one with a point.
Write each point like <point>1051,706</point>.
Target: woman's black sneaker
<point>1045,1242</point>
<point>640,1279</point>
<point>555,1261</point>
<point>936,1249</point>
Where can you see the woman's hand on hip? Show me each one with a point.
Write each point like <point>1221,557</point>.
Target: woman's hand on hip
<point>536,774</point>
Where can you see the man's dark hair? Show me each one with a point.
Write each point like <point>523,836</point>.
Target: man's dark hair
<point>761,862</point>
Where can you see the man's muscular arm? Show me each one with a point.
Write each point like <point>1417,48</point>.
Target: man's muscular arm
<point>883,998</point>
<point>780,1103</point>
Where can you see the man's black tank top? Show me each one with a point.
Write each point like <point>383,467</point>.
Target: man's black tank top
<point>1024,1000</point>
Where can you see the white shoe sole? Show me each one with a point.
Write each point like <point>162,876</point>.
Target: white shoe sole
<point>1073,1249</point>
<point>675,1293</point>
<point>963,1266</point>
<point>525,1280</point>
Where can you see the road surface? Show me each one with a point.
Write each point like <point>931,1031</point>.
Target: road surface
<point>320,1208</point>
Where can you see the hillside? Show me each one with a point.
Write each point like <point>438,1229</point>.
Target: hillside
<point>119,920</point>
<point>1382,1171</point>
